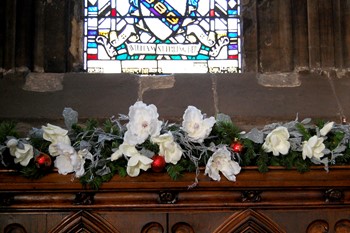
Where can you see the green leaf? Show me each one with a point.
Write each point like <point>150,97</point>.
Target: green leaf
<point>303,131</point>
<point>175,171</point>
<point>31,171</point>
<point>262,162</point>
<point>7,128</point>
<point>225,132</point>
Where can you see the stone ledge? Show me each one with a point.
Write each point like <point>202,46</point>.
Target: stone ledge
<point>241,96</point>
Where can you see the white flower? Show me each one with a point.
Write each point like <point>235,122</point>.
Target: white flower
<point>124,149</point>
<point>23,153</point>
<point>55,134</point>
<point>68,160</point>
<point>78,162</point>
<point>313,148</point>
<point>136,163</point>
<point>136,160</point>
<point>171,151</point>
<point>221,161</point>
<point>277,141</point>
<point>195,125</point>
<point>326,128</point>
<point>143,122</point>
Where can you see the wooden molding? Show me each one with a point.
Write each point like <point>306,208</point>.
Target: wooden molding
<point>83,221</point>
<point>249,221</point>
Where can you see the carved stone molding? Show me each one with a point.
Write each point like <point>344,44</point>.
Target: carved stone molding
<point>334,195</point>
<point>318,226</point>
<point>167,197</point>
<point>84,198</point>
<point>152,227</point>
<point>251,196</point>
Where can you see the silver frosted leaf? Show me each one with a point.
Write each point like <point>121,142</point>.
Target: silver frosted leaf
<point>339,149</point>
<point>20,145</point>
<point>255,135</point>
<point>147,153</point>
<point>306,121</point>
<point>104,137</point>
<point>36,133</point>
<point>295,144</point>
<point>103,171</point>
<point>290,125</point>
<point>70,117</point>
<point>85,145</point>
<point>223,118</point>
<point>295,134</point>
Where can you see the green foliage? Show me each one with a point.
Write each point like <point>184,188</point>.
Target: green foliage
<point>176,171</point>
<point>91,124</point>
<point>225,132</point>
<point>249,155</point>
<point>262,162</point>
<point>335,139</point>
<point>151,146</point>
<point>7,128</point>
<point>345,159</point>
<point>33,172</point>
<point>110,127</point>
<point>40,144</point>
<point>301,128</point>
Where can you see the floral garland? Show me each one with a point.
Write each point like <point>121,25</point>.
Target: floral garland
<point>138,142</point>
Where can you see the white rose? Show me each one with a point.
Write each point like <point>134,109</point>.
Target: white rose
<point>221,161</point>
<point>55,134</point>
<point>326,128</point>
<point>313,148</point>
<point>171,151</point>
<point>23,155</point>
<point>68,160</point>
<point>194,124</point>
<point>143,122</point>
<point>277,141</point>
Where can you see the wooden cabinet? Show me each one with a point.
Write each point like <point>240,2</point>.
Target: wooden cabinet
<point>278,201</point>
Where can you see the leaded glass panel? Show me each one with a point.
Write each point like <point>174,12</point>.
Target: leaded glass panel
<point>162,36</point>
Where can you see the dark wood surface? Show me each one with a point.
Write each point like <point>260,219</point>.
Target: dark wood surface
<point>278,201</point>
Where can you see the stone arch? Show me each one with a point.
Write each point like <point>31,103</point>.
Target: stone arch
<point>249,221</point>
<point>84,221</point>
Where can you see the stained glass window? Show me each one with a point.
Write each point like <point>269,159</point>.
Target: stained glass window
<point>162,36</point>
